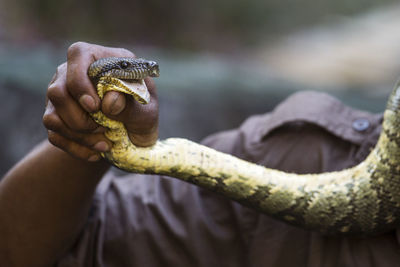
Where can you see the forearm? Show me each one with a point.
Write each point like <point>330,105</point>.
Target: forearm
<point>44,202</point>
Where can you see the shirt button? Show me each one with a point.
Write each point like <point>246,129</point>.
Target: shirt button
<point>360,125</point>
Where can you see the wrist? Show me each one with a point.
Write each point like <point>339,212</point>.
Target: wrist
<point>92,170</point>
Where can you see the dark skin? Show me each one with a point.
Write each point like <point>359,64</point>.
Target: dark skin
<point>45,198</point>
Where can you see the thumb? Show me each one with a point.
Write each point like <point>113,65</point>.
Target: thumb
<point>140,120</point>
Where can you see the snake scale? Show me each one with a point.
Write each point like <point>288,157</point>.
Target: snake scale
<point>363,200</point>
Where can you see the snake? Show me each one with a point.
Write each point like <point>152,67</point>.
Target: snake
<point>361,200</point>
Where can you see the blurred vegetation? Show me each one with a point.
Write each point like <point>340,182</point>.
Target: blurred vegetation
<point>176,24</point>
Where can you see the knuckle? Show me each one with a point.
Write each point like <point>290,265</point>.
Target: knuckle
<point>54,78</point>
<point>56,93</point>
<point>61,68</point>
<point>55,139</point>
<point>51,121</point>
<point>75,49</point>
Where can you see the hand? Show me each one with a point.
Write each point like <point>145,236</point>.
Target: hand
<point>71,96</point>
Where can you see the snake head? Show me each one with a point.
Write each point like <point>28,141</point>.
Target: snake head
<point>124,75</point>
<point>123,68</point>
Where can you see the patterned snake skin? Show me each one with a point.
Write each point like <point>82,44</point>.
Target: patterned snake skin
<point>362,200</point>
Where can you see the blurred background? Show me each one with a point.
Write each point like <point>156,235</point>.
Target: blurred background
<point>211,53</point>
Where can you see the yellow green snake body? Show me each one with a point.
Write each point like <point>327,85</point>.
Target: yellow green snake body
<point>362,200</point>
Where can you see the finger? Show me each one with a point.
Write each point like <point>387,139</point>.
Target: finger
<point>80,56</point>
<point>78,82</point>
<point>140,120</point>
<point>66,107</point>
<point>73,148</point>
<point>95,141</point>
<point>55,77</point>
<point>114,102</point>
<point>137,117</point>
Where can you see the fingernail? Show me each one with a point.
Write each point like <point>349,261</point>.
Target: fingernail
<point>101,146</point>
<point>94,158</point>
<point>88,103</point>
<point>116,106</point>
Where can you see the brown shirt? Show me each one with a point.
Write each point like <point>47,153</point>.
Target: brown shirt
<point>140,220</point>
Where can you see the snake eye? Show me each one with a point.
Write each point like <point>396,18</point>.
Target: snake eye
<point>124,64</point>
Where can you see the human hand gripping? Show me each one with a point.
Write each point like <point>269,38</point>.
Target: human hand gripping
<point>71,96</point>
<point>49,190</point>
